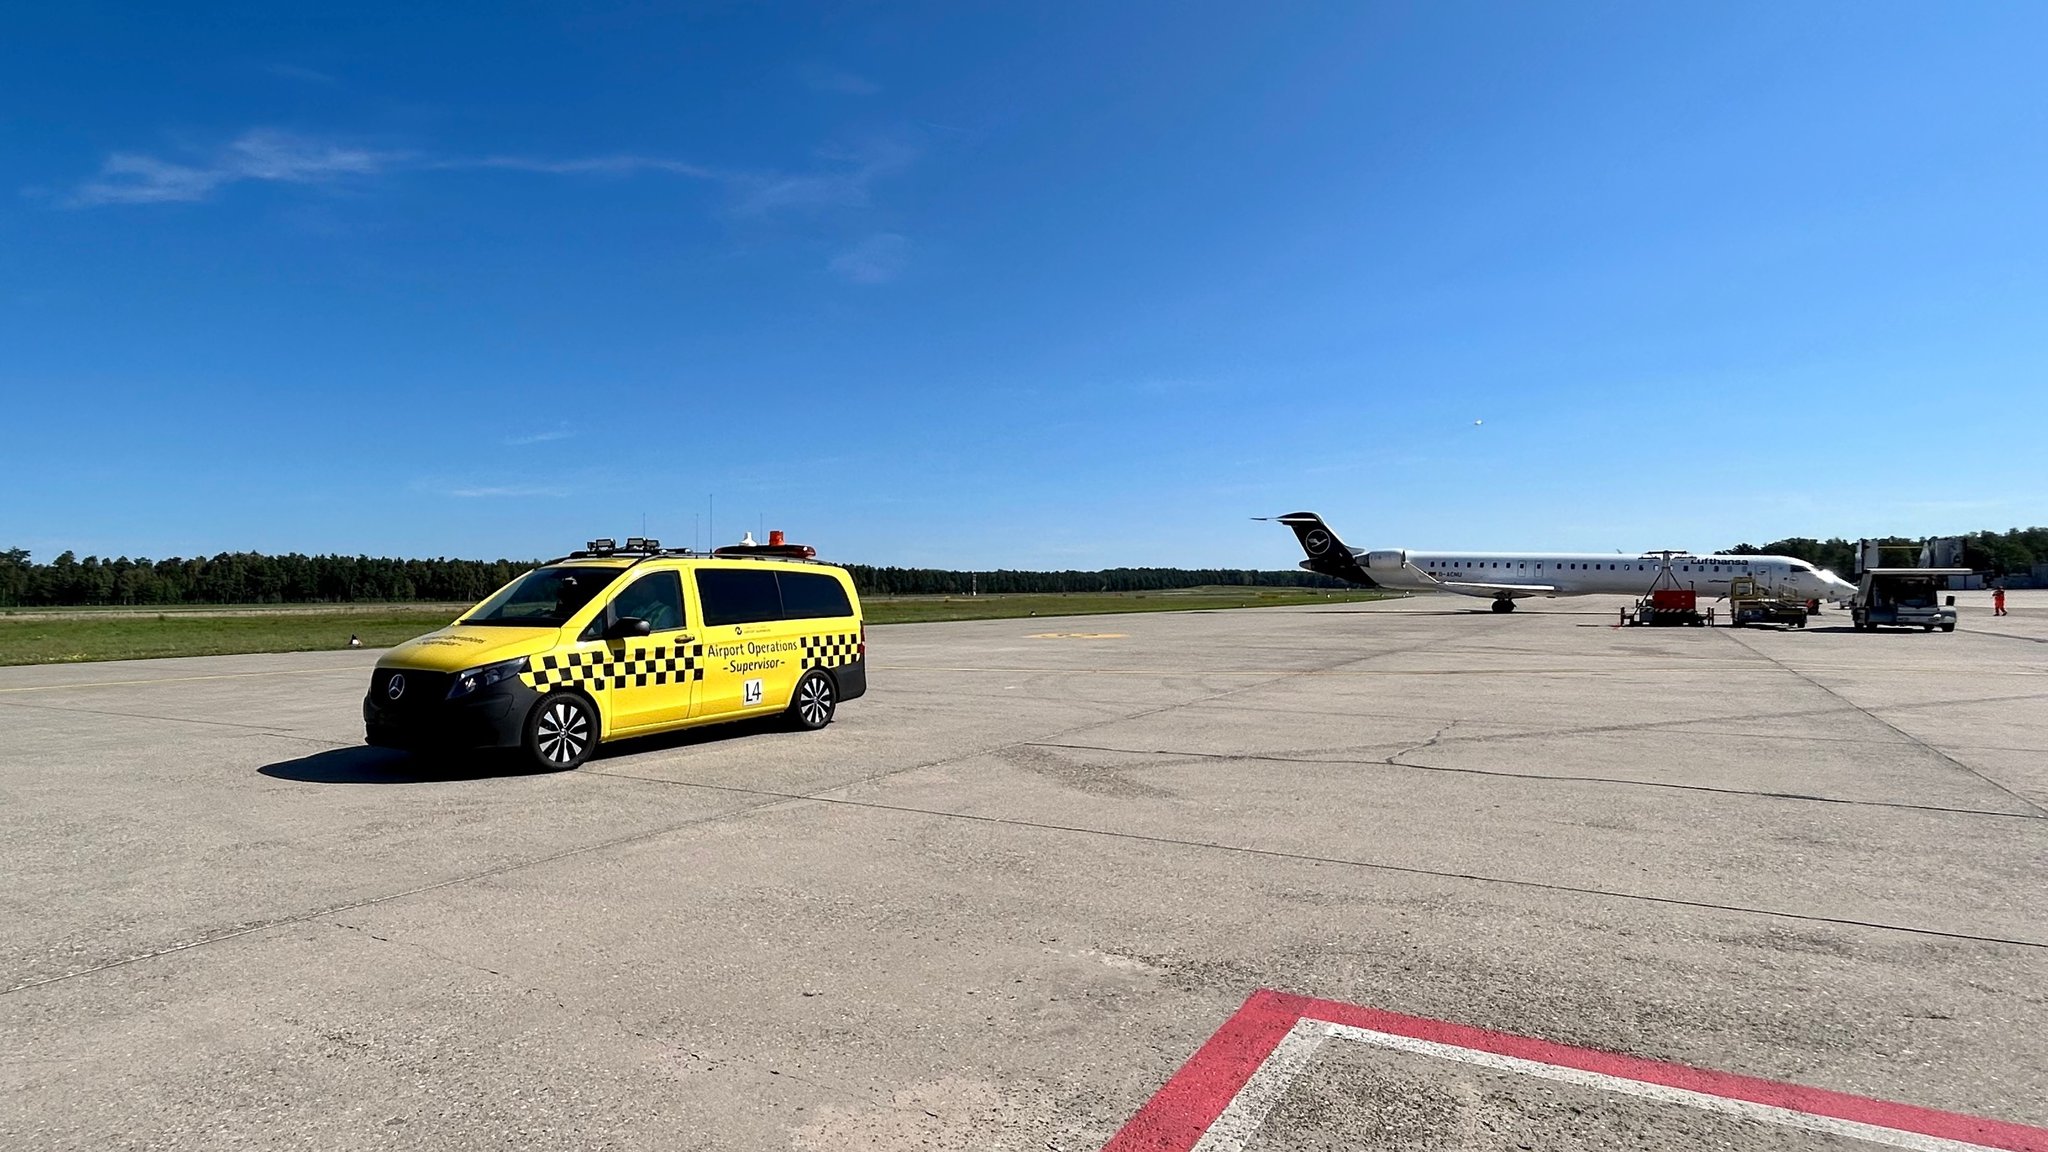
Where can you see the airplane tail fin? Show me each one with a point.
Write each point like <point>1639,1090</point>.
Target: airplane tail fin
<point>1327,555</point>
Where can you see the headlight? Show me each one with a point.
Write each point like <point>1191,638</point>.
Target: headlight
<point>475,679</point>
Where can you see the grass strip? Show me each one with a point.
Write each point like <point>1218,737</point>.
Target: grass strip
<point>79,635</point>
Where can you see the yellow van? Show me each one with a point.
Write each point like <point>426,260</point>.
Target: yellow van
<point>613,641</point>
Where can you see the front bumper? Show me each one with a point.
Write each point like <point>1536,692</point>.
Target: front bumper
<point>492,718</point>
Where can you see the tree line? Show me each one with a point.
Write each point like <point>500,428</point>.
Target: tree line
<point>256,578</point>
<point>939,581</point>
<point>245,578</point>
<point>2010,553</point>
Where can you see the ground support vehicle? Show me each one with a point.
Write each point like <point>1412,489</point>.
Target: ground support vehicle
<point>609,642</point>
<point>1750,603</point>
<point>1668,607</point>
<point>1669,602</point>
<point>1905,598</point>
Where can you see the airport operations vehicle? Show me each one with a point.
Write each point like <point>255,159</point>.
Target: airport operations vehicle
<point>1505,577</point>
<point>1905,598</point>
<point>1749,603</point>
<point>614,641</point>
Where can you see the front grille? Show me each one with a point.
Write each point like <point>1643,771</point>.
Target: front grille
<point>422,689</point>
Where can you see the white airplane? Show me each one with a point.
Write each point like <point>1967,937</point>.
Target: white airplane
<point>1505,577</point>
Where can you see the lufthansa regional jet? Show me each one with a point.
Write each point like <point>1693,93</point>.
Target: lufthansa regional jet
<point>1505,577</point>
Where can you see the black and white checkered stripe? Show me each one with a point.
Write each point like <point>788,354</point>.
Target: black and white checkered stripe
<point>598,668</point>
<point>831,651</point>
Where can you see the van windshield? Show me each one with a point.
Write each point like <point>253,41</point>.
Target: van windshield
<point>543,598</point>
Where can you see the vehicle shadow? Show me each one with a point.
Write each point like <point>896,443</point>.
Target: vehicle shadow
<point>366,765</point>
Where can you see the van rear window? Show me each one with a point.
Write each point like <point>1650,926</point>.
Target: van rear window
<point>811,596</point>
<point>738,595</point>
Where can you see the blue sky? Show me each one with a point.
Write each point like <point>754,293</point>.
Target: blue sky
<point>1036,286</point>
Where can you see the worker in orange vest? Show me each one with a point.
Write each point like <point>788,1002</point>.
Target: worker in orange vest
<point>1998,601</point>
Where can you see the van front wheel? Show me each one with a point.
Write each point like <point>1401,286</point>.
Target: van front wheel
<point>811,707</point>
<point>561,732</point>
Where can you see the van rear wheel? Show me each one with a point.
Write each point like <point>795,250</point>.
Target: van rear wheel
<point>561,732</point>
<point>815,700</point>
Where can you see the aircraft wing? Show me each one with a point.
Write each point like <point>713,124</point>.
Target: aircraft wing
<point>1474,588</point>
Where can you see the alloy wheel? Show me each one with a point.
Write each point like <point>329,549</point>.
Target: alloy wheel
<point>563,732</point>
<point>814,701</point>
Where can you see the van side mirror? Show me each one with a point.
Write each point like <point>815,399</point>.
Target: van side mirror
<point>626,626</point>
<point>1951,601</point>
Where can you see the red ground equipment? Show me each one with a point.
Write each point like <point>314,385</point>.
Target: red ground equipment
<point>1668,603</point>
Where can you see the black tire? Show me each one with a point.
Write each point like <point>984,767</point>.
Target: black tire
<point>1503,605</point>
<point>561,732</point>
<point>1948,627</point>
<point>812,705</point>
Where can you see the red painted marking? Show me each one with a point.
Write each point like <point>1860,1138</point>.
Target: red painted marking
<point>1197,1094</point>
<point>1175,1119</point>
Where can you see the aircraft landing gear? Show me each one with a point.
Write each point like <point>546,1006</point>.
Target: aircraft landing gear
<point>1504,604</point>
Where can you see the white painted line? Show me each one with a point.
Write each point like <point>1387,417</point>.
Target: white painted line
<point>1248,1109</point>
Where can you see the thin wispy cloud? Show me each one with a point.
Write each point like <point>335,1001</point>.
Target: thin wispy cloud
<point>837,82</point>
<point>301,74</point>
<point>625,165</point>
<point>489,492</point>
<point>1176,386</point>
<point>850,174</point>
<point>539,438</point>
<point>844,178</point>
<point>876,260</point>
<point>262,155</point>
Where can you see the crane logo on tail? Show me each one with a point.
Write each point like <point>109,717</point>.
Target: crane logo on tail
<point>1316,541</point>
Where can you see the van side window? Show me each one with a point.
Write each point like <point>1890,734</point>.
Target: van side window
<point>812,595</point>
<point>656,598</point>
<point>738,596</point>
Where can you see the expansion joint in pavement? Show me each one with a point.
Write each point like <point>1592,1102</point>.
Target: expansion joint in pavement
<point>1369,865</point>
<point>1394,761</point>
<point>1938,753</point>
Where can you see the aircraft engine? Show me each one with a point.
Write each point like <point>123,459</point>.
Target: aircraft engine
<point>1390,561</point>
